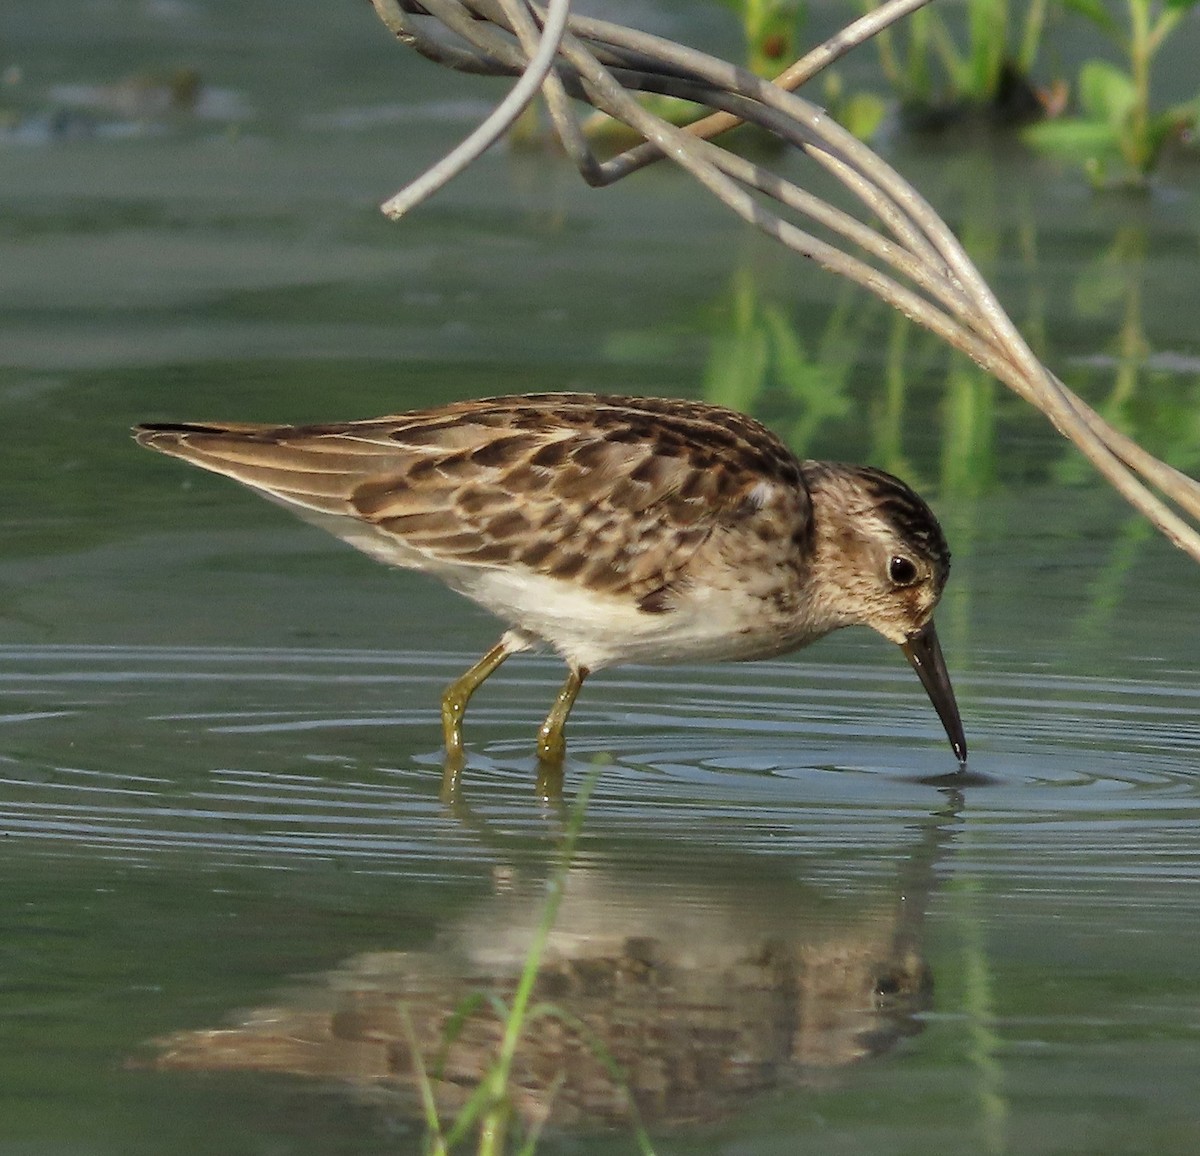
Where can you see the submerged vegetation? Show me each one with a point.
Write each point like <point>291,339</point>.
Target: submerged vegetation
<point>980,63</point>
<point>946,64</point>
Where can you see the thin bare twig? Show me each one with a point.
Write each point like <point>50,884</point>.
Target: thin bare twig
<point>909,257</point>
<point>499,122</point>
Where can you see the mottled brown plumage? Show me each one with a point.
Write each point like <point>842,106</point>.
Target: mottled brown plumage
<point>614,529</point>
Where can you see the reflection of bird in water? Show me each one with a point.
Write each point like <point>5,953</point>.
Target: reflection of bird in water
<point>702,996</point>
<point>614,529</point>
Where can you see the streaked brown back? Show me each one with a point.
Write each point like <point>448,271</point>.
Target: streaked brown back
<point>616,493</point>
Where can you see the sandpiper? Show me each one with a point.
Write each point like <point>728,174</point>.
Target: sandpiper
<point>613,529</point>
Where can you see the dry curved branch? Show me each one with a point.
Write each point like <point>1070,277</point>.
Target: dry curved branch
<point>541,58</point>
<point>908,256</point>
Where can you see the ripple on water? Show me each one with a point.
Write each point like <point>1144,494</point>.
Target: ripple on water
<point>292,755</point>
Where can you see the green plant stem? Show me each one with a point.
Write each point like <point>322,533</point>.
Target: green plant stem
<point>1137,151</point>
<point>1162,28</point>
<point>1031,36</point>
<point>888,62</point>
<point>493,1128</point>
<point>435,1144</point>
<point>492,1131</point>
<point>920,83</point>
<point>988,45</point>
<point>957,67</point>
<point>1145,38</point>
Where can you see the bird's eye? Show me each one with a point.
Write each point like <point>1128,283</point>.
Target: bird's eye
<point>902,571</point>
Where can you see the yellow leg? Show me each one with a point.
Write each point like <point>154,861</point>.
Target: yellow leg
<point>458,694</point>
<point>551,745</point>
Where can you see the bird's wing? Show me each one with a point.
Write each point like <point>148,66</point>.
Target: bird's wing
<point>616,494</point>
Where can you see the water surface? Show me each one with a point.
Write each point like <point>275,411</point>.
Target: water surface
<point>226,857</point>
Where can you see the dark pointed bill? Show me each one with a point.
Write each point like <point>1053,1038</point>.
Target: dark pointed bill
<point>924,652</point>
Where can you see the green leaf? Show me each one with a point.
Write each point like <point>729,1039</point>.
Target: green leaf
<point>1097,12</point>
<point>1106,93</point>
<point>988,24</point>
<point>1182,5</point>
<point>861,114</point>
<point>1073,137</point>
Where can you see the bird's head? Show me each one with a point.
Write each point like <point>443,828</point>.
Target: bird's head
<point>880,559</point>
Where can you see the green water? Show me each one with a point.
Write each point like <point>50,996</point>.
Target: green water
<point>219,743</point>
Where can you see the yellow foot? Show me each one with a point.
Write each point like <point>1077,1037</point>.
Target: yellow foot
<point>453,709</point>
<point>451,792</point>
<point>549,787</point>
<point>551,743</point>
